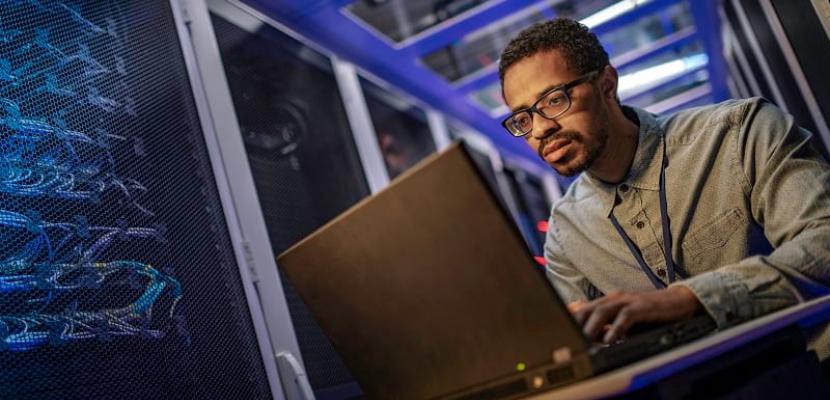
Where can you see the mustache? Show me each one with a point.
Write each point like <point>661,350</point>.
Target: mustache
<point>566,135</point>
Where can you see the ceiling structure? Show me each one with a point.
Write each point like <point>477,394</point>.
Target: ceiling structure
<point>445,53</point>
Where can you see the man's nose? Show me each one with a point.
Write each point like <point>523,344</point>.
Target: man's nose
<point>543,127</point>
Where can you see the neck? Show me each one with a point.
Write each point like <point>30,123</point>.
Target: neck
<point>613,164</point>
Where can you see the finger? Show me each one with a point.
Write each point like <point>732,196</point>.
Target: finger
<point>575,306</point>
<point>623,321</point>
<point>603,314</point>
<point>585,310</point>
<point>582,314</point>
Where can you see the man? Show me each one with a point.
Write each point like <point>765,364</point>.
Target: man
<point>716,185</point>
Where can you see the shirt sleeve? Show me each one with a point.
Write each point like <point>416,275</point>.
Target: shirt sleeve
<point>569,283</point>
<point>786,181</point>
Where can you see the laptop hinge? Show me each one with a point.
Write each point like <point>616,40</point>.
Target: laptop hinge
<point>293,377</point>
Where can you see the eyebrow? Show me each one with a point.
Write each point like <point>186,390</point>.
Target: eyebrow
<point>538,96</point>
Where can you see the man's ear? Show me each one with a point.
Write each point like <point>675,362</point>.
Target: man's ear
<point>608,80</point>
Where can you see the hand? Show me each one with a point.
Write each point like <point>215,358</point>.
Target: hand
<point>574,306</point>
<point>622,309</point>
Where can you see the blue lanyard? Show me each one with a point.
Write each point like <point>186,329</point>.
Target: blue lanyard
<point>664,220</point>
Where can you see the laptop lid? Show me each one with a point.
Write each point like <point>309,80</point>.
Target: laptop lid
<point>427,288</point>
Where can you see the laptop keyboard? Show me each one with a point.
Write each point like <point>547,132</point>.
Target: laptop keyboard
<point>650,342</point>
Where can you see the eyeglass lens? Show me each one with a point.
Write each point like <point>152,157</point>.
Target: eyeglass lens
<point>550,106</point>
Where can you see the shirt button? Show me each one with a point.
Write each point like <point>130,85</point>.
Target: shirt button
<point>623,188</point>
<point>661,272</point>
<point>640,224</point>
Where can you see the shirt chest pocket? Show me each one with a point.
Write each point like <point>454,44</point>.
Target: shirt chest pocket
<point>704,248</point>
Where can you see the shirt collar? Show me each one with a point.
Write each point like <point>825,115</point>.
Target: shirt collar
<point>648,160</point>
<point>645,168</point>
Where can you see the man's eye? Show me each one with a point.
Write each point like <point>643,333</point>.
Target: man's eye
<point>556,100</point>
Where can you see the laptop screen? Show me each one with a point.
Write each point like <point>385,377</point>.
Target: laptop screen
<point>427,288</point>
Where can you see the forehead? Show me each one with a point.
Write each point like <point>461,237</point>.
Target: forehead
<point>528,78</point>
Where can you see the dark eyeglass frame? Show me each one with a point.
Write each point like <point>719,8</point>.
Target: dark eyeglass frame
<point>564,88</point>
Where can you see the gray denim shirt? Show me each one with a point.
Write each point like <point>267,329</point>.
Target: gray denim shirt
<point>748,203</point>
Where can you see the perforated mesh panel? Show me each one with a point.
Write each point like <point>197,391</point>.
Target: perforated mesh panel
<point>117,277</point>
<point>302,156</point>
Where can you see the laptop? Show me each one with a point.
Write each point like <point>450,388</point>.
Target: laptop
<point>427,291</point>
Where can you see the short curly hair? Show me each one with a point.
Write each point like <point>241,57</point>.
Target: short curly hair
<point>581,48</point>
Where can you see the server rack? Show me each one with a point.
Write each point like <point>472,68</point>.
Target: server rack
<point>280,164</point>
<point>779,50</point>
<point>220,33</point>
<point>801,34</point>
<point>120,266</point>
<point>533,203</point>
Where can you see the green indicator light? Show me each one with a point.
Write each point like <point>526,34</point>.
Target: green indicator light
<point>520,367</point>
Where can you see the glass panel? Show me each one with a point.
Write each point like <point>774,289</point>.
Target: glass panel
<point>118,278</point>
<point>666,65</point>
<point>481,48</point>
<point>684,84</point>
<point>490,100</point>
<point>647,30</point>
<point>402,129</point>
<point>581,9</point>
<point>302,156</point>
<point>401,19</point>
<point>643,76</point>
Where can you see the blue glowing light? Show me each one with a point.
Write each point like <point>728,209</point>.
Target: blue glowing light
<point>64,278</point>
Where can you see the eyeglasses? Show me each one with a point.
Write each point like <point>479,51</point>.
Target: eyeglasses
<point>550,105</point>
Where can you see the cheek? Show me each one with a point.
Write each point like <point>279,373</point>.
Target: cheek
<point>588,124</point>
<point>583,123</point>
<point>532,142</point>
<point>586,115</point>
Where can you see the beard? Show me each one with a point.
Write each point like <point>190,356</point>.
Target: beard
<point>583,154</point>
